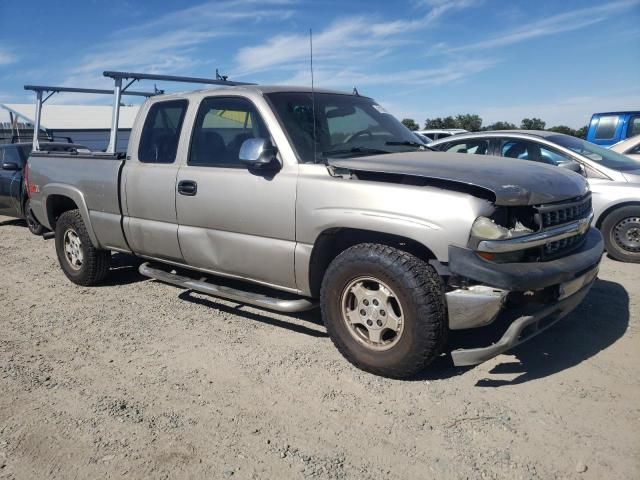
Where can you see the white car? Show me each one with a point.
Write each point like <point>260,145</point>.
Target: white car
<point>629,147</point>
<point>614,178</point>
<point>437,134</point>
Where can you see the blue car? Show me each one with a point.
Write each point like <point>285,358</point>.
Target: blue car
<point>612,127</point>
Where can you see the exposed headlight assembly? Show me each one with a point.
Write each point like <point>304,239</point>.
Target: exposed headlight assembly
<point>485,228</point>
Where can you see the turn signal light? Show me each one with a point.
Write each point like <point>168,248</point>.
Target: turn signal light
<point>486,255</point>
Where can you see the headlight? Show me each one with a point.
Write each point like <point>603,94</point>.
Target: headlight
<point>486,229</point>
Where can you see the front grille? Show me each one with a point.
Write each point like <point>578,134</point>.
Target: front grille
<point>559,247</point>
<point>553,215</point>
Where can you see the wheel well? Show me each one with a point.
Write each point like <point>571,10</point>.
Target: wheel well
<point>56,206</point>
<point>612,208</point>
<point>332,242</point>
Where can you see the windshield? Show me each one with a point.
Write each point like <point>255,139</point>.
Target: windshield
<point>345,125</point>
<point>603,156</point>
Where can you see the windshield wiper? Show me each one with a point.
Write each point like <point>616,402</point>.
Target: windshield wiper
<point>358,150</point>
<point>409,143</point>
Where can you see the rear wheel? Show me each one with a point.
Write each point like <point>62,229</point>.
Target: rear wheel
<point>80,261</point>
<point>384,310</point>
<point>621,232</point>
<point>32,223</point>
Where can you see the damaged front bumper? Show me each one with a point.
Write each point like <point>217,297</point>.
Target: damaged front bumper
<point>564,281</point>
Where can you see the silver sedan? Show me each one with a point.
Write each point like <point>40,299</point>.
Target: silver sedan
<point>614,178</point>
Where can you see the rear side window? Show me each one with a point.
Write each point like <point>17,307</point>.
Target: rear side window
<point>161,132</point>
<point>524,150</point>
<point>606,128</point>
<point>476,147</point>
<point>634,126</point>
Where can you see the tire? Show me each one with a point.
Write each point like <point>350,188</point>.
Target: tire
<point>80,261</point>
<point>417,299</point>
<point>621,232</point>
<point>34,226</point>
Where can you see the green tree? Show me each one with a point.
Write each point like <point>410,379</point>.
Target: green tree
<point>501,126</point>
<point>533,124</point>
<point>439,123</point>
<point>582,132</point>
<point>563,129</point>
<point>410,123</point>
<point>469,121</point>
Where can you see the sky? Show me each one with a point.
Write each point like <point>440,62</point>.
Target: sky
<point>503,60</point>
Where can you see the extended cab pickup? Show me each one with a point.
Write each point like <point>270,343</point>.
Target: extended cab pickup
<point>325,198</point>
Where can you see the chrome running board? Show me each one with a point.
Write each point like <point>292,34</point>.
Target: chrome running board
<point>240,296</point>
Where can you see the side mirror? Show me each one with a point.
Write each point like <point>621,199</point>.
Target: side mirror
<point>10,166</point>
<point>257,152</point>
<point>571,165</point>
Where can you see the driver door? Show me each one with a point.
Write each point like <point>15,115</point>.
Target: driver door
<point>232,220</point>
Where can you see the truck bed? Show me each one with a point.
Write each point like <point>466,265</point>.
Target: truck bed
<point>91,180</point>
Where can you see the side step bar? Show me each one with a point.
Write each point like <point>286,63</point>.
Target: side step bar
<point>249,298</point>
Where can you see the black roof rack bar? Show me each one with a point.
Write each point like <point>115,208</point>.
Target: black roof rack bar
<point>44,88</point>
<point>173,78</point>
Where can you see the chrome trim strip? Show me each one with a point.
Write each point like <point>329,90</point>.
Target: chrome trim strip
<point>536,239</point>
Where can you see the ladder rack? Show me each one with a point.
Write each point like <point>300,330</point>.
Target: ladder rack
<point>117,93</point>
<point>40,89</point>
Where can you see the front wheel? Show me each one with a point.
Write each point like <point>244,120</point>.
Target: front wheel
<point>33,224</point>
<point>384,310</point>
<point>621,232</point>
<point>81,262</point>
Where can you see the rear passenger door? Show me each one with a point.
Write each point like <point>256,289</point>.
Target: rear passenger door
<point>149,182</point>
<point>234,220</point>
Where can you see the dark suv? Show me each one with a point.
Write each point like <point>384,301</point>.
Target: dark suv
<point>14,201</point>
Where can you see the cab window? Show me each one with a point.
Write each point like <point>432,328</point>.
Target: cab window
<point>606,128</point>
<point>222,125</point>
<point>634,126</point>
<point>161,132</point>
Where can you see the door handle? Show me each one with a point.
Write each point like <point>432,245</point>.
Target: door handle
<point>187,187</point>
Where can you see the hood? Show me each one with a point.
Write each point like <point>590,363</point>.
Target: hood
<point>511,181</point>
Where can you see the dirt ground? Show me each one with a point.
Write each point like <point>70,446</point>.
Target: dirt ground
<point>137,379</point>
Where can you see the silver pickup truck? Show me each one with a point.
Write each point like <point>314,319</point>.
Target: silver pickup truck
<point>325,198</point>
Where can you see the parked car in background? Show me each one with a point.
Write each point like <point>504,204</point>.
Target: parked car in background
<point>326,198</point>
<point>629,147</point>
<point>608,128</point>
<point>14,201</point>
<point>437,134</point>
<point>614,178</point>
<point>422,138</point>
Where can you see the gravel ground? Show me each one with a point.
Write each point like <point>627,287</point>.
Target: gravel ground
<point>138,379</point>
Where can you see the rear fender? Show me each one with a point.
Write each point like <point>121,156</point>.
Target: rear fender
<point>49,191</point>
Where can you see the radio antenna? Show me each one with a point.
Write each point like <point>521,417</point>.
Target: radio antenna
<point>313,96</point>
